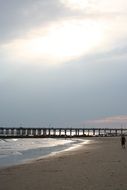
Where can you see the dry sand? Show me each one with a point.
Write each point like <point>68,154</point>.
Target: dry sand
<point>101,165</point>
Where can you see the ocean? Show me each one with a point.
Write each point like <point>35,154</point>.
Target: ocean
<point>19,151</point>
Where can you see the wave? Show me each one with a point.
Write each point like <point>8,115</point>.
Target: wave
<point>17,151</point>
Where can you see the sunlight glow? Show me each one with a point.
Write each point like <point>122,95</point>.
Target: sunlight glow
<point>62,42</point>
<point>96,5</point>
<point>76,4</point>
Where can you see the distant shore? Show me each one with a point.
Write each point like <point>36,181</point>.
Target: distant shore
<point>100,165</point>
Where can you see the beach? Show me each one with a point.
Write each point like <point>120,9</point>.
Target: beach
<point>100,165</point>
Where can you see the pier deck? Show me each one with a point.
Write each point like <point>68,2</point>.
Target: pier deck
<point>59,132</point>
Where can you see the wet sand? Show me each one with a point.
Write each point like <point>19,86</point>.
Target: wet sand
<point>101,165</point>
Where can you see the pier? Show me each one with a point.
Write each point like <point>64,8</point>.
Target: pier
<point>60,132</point>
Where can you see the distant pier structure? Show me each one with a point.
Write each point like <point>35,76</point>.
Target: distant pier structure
<point>60,132</point>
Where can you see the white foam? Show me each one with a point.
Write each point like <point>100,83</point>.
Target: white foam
<point>19,150</point>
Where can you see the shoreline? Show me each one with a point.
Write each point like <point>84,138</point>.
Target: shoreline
<point>40,151</point>
<point>100,165</point>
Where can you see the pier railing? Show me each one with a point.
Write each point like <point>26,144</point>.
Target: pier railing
<point>60,132</point>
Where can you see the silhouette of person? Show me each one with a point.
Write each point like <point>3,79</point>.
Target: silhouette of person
<point>123,141</point>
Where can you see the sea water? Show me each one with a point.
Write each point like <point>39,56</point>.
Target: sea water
<point>18,151</point>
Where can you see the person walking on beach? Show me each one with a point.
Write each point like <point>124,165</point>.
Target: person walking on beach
<point>123,141</point>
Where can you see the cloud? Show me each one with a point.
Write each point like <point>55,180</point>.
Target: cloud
<point>96,5</point>
<point>89,38</point>
<point>19,17</point>
<point>55,31</point>
<point>120,120</point>
<point>60,42</point>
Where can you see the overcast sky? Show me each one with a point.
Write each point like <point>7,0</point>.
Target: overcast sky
<point>63,62</point>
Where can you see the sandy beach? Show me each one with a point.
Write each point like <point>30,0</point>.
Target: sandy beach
<point>100,165</point>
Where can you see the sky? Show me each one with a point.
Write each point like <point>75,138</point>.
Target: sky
<point>63,63</point>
